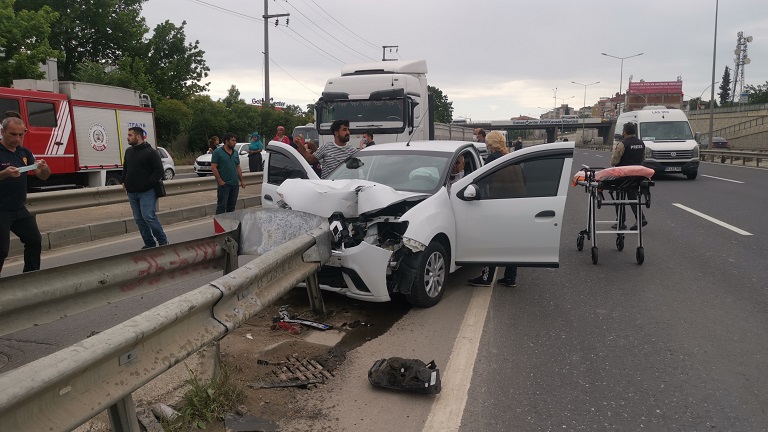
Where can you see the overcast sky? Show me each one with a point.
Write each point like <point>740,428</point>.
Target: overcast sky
<point>494,59</point>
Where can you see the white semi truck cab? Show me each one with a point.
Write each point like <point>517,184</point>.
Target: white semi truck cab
<point>389,98</point>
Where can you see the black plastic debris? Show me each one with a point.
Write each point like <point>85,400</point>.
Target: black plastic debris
<point>410,375</point>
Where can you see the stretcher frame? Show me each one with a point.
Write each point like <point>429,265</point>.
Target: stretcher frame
<point>618,190</point>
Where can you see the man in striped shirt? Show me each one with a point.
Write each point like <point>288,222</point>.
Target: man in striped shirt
<point>331,154</point>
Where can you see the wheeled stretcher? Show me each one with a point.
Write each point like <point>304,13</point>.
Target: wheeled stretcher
<point>625,185</point>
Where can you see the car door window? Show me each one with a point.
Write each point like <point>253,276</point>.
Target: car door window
<point>525,179</point>
<point>282,167</point>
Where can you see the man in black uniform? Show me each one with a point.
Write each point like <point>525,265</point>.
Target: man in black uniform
<point>630,151</point>
<point>14,216</point>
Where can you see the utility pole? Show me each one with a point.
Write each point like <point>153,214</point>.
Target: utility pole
<point>266,17</point>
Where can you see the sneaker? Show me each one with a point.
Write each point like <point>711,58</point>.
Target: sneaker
<point>634,227</point>
<point>148,247</point>
<point>507,282</point>
<point>163,244</point>
<point>479,281</point>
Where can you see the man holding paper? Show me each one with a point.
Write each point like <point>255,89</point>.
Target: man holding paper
<point>15,162</point>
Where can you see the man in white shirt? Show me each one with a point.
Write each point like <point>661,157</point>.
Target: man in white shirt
<point>331,154</point>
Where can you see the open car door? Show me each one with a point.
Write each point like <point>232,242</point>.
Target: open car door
<point>511,210</point>
<point>282,162</point>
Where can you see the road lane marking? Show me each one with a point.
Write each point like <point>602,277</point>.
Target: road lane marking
<point>713,220</point>
<point>724,179</point>
<point>448,408</point>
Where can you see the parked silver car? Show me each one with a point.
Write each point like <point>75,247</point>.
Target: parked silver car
<point>169,167</point>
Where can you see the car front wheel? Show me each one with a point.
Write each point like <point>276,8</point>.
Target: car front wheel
<point>168,174</point>
<point>429,285</point>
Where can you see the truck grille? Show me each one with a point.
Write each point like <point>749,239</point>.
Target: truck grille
<point>669,154</point>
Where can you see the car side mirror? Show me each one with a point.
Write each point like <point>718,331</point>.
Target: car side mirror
<point>243,152</point>
<point>354,163</point>
<point>697,137</point>
<point>469,193</point>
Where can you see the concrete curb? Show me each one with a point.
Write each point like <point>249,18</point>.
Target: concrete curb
<point>107,229</point>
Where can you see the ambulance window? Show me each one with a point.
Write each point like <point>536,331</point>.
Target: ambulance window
<point>9,105</point>
<point>41,114</point>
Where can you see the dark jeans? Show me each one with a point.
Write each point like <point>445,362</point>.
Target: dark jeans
<point>630,195</point>
<point>24,225</point>
<point>226,198</point>
<point>255,162</point>
<point>143,207</point>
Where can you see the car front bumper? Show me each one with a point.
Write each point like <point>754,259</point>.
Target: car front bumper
<point>364,269</point>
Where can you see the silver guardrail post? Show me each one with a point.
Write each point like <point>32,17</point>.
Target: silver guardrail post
<point>122,416</point>
<point>320,253</point>
<point>230,253</point>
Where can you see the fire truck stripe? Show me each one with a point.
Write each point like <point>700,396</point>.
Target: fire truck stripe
<point>64,137</point>
<point>62,127</point>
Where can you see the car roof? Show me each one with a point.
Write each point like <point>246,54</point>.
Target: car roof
<point>425,146</point>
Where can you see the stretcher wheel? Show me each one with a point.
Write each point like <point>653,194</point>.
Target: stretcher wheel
<point>647,200</point>
<point>580,242</point>
<point>620,242</point>
<point>640,255</point>
<point>594,254</point>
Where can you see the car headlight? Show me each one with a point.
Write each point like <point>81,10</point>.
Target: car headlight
<point>695,152</point>
<point>648,153</point>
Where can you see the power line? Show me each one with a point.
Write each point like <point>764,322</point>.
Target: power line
<point>293,77</point>
<point>324,31</point>
<point>310,42</point>
<point>225,10</point>
<point>307,46</point>
<point>349,30</point>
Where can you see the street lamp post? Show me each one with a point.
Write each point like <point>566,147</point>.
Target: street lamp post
<point>712,97</point>
<point>621,73</point>
<point>702,93</point>
<point>583,120</point>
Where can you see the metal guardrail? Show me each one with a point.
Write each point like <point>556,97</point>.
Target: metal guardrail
<point>732,155</point>
<point>48,295</point>
<point>723,110</point>
<point>49,202</point>
<point>63,390</point>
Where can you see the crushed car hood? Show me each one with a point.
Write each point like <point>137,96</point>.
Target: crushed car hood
<point>350,197</point>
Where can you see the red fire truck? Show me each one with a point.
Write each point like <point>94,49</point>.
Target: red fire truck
<point>80,129</point>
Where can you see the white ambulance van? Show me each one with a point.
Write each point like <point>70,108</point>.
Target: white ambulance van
<point>669,143</point>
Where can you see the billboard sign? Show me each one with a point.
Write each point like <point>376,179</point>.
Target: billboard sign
<point>658,87</point>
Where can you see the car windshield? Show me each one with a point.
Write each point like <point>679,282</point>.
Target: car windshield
<point>403,171</point>
<point>665,131</point>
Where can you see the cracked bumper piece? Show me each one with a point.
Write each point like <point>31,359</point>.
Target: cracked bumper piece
<point>364,268</point>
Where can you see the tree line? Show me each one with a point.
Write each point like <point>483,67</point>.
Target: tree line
<point>108,42</point>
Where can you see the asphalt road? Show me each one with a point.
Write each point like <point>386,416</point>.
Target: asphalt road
<point>678,343</point>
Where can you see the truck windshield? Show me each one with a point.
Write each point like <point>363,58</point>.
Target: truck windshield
<point>377,112</point>
<point>665,131</point>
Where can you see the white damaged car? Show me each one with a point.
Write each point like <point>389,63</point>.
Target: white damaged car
<point>401,221</point>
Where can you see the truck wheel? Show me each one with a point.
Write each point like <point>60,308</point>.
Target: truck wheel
<point>428,287</point>
<point>692,176</point>
<point>168,174</point>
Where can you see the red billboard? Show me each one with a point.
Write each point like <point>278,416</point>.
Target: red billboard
<point>658,87</point>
